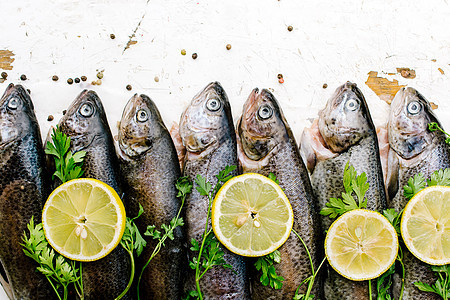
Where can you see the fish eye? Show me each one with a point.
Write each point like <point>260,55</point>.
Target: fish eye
<point>265,112</point>
<point>213,104</point>
<point>414,107</point>
<point>86,110</point>
<point>13,103</point>
<point>351,104</point>
<point>141,116</point>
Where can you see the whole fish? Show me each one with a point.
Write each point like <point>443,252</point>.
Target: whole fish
<point>343,133</point>
<point>413,149</point>
<point>266,144</point>
<point>86,124</point>
<point>207,131</point>
<point>23,193</point>
<point>150,169</point>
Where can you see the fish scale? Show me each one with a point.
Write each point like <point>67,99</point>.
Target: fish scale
<point>105,278</point>
<point>211,146</point>
<point>150,168</point>
<point>283,159</point>
<point>22,186</point>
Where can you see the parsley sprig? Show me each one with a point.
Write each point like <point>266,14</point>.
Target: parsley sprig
<point>442,284</point>
<point>68,164</point>
<point>58,270</point>
<point>433,126</point>
<point>184,187</point>
<point>265,264</point>
<point>209,251</point>
<point>132,241</point>
<point>353,184</point>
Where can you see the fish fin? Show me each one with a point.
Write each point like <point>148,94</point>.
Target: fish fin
<point>4,282</point>
<point>383,146</point>
<point>313,147</point>
<point>392,176</point>
<point>178,142</point>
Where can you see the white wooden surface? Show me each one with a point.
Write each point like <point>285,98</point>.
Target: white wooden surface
<point>331,42</point>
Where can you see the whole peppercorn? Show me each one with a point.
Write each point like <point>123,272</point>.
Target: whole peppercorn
<point>70,81</point>
<point>83,78</point>
<point>325,85</point>
<point>290,28</point>
<point>112,36</point>
<point>50,118</point>
<point>129,87</point>
<point>99,75</point>
<point>29,91</point>
<point>55,78</point>
<point>228,46</point>
<point>64,112</point>
<point>183,52</point>
<point>4,75</point>
<point>279,76</point>
<point>23,77</point>
<point>156,79</point>
<point>194,55</point>
<point>77,80</point>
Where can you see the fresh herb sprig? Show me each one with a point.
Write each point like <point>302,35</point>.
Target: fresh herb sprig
<point>265,264</point>
<point>58,270</point>
<point>132,241</point>
<point>353,184</point>
<point>68,164</point>
<point>209,251</point>
<point>433,126</point>
<point>442,284</point>
<point>184,187</point>
<point>416,184</point>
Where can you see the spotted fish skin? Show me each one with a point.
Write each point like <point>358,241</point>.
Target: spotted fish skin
<point>413,149</point>
<point>150,169</point>
<point>86,124</point>
<point>22,193</point>
<point>344,133</point>
<point>266,145</point>
<point>207,132</point>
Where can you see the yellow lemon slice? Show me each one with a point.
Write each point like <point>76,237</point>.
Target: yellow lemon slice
<point>361,244</point>
<point>425,225</point>
<point>84,219</point>
<point>251,215</point>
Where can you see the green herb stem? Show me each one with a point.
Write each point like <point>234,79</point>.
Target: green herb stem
<point>53,286</point>
<point>205,234</point>
<point>370,289</point>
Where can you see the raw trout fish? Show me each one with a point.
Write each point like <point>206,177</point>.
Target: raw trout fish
<point>266,144</point>
<point>150,169</point>
<point>343,133</point>
<point>413,149</point>
<point>86,124</point>
<point>207,132</point>
<point>23,194</point>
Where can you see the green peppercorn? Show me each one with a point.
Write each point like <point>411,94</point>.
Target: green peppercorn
<point>183,52</point>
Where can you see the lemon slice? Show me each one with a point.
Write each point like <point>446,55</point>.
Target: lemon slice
<point>425,225</point>
<point>361,244</point>
<point>84,219</point>
<point>251,215</point>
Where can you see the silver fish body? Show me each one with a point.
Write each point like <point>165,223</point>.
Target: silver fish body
<point>207,131</point>
<point>150,169</point>
<point>86,124</point>
<point>413,149</point>
<point>266,144</point>
<point>22,193</point>
<point>343,133</point>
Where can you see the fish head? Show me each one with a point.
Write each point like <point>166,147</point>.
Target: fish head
<point>16,114</point>
<point>345,120</point>
<point>261,125</point>
<point>85,120</point>
<point>140,126</point>
<point>207,119</point>
<point>408,123</point>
